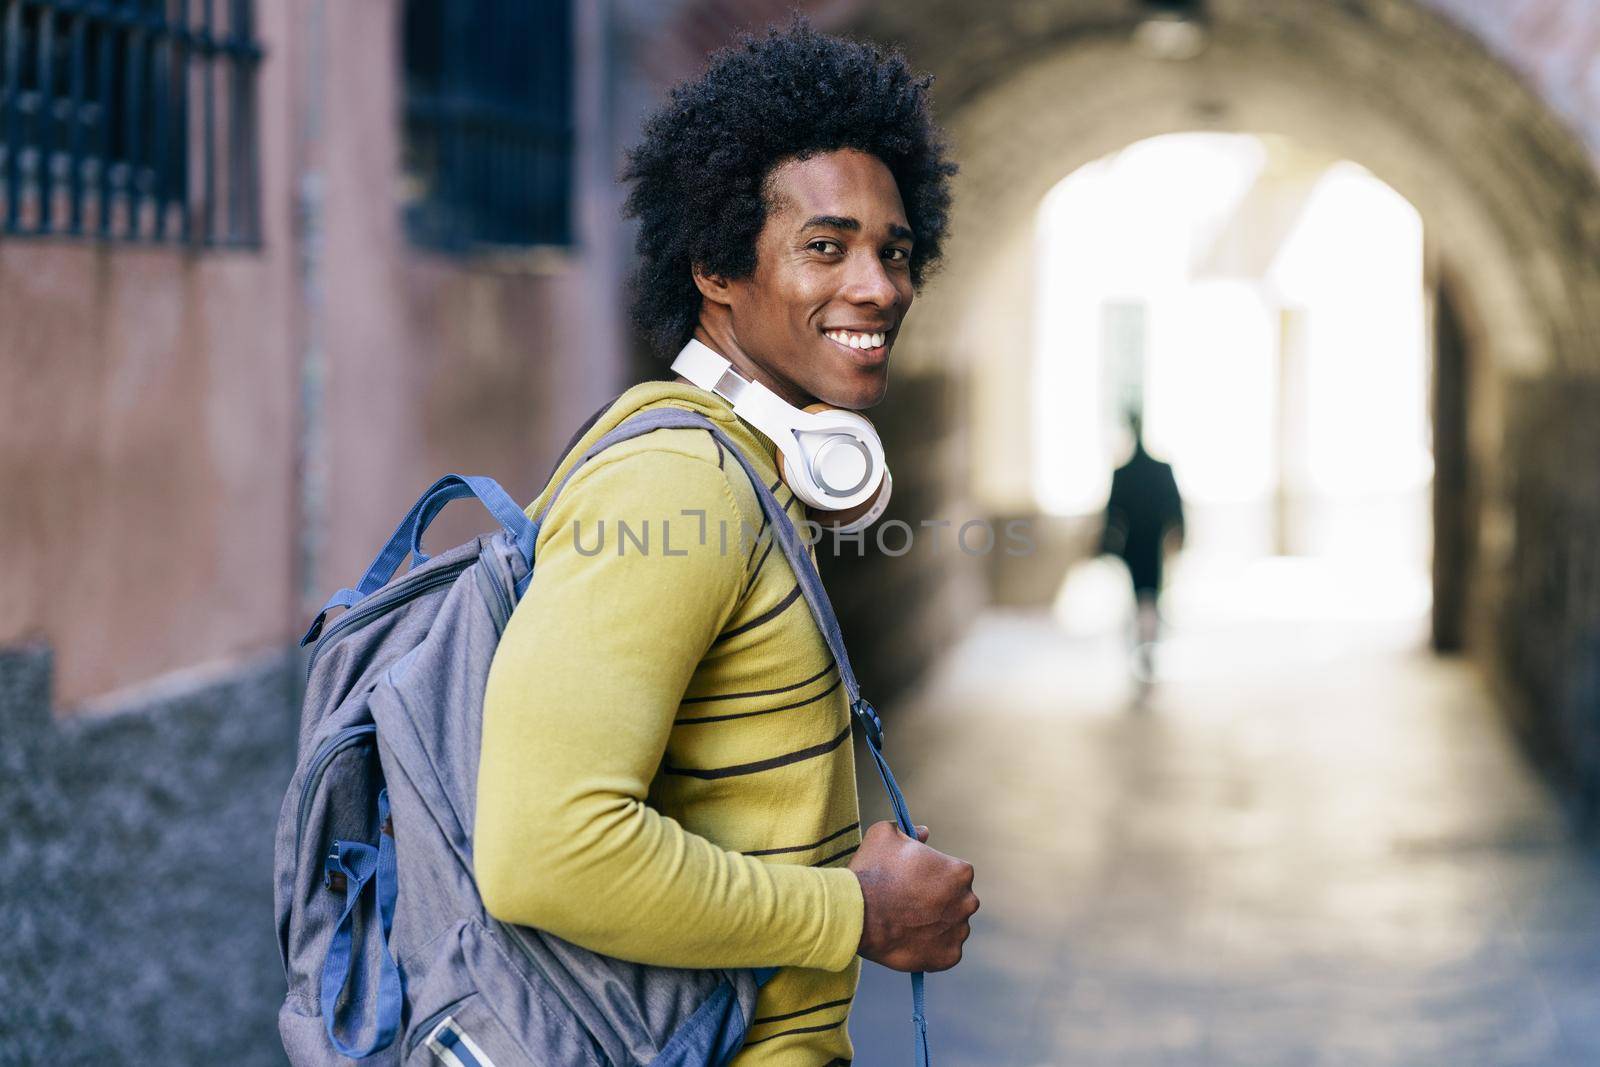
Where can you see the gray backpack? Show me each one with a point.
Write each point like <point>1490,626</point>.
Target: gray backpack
<point>388,952</point>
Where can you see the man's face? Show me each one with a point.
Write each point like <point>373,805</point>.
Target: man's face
<point>833,269</point>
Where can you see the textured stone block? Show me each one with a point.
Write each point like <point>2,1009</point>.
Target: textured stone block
<point>135,873</point>
<point>25,677</point>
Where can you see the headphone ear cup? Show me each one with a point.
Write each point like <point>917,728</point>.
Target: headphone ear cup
<point>833,518</point>
<point>854,416</point>
<point>783,467</point>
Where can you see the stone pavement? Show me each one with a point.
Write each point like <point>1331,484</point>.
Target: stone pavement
<point>1309,845</point>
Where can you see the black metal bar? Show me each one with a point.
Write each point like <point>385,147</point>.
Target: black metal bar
<point>80,28</point>
<point>44,123</point>
<point>13,127</point>
<point>497,116</point>
<point>454,70</point>
<point>252,145</point>
<point>161,100</point>
<point>228,65</point>
<point>133,53</point>
<point>236,78</point>
<point>208,133</point>
<point>105,44</point>
<point>95,99</point>
<point>541,214</point>
<point>185,78</point>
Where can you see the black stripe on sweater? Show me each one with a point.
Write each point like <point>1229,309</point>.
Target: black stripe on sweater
<point>797,1030</point>
<point>763,535</point>
<point>803,848</point>
<point>836,856</point>
<point>766,616</point>
<point>771,763</point>
<point>758,711</point>
<point>759,564</point>
<point>803,1011</point>
<point>760,692</point>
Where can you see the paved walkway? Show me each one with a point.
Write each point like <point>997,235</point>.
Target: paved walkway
<point>1310,845</point>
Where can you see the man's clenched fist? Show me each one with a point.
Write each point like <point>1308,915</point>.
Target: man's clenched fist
<point>918,900</point>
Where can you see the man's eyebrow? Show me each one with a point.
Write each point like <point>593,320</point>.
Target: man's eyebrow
<point>838,222</point>
<point>844,222</point>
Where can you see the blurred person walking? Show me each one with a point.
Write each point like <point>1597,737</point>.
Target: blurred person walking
<point>1143,523</point>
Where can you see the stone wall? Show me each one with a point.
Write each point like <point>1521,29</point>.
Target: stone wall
<point>1549,626</point>
<point>1545,636</point>
<point>1482,115</point>
<point>905,591</point>
<point>135,860</point>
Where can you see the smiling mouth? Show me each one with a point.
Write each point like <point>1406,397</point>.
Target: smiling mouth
<point>868,345</point>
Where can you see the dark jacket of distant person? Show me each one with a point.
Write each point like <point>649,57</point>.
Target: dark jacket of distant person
<point>1144,506</point>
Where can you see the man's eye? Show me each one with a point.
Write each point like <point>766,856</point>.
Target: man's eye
<point>824,246</point>
<point>898,255</point>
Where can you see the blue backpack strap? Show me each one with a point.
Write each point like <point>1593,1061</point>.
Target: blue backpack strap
<point>499,503</point>
<point>872,726</point>
<point>407,537</point>
<point>816,596</point>
<point>360,864</point>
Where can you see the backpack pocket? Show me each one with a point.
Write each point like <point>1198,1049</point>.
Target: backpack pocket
<point>337,958</point>
<point>466,1034</point>
<point>495,1008</point>
<point>336,801</point>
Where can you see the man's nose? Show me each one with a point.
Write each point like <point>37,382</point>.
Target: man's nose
<point>868,282</point>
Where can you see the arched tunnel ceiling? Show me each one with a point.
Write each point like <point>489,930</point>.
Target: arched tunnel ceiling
<point>1031,90</point>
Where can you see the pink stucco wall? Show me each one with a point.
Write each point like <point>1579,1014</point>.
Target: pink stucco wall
<point>147,398</point>
<point>479,365</point>
<point>150,497</point>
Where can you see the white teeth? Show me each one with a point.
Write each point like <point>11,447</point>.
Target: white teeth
<point>857,340</point>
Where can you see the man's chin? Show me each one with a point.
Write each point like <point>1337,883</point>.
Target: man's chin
<point>861,388</point>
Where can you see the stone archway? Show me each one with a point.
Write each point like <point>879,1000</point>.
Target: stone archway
<point>1508,193</point>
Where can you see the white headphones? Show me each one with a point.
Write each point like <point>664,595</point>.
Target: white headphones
<point>833,459</point>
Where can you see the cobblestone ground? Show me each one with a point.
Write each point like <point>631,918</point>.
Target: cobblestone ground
<point>1308,845</point>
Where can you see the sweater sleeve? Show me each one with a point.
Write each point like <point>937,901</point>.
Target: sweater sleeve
<point>581,697</point>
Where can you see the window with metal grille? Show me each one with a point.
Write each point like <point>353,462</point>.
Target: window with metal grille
<point>488,122</point>
<point>129,120</point>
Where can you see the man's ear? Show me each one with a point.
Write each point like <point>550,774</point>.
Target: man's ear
<point>713,287</point>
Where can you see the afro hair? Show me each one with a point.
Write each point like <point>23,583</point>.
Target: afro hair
<point>701,170</point>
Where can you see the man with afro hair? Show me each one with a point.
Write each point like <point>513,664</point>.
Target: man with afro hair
<point>666,773</point>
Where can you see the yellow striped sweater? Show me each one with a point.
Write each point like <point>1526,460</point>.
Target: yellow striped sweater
<point>667,774</point>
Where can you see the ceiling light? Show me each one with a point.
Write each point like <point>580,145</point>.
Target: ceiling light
<point>1171,29</point>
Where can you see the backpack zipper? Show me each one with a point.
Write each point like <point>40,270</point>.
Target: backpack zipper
<point>365,612</point>
<point>516,935</point>
<point>490,586</point>
<point>319,763</point>
<point>420,1031</point>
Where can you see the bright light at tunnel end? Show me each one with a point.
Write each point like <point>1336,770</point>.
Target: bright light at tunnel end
<point>1265,310</point>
